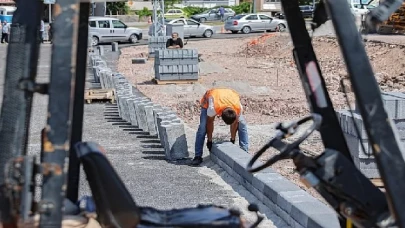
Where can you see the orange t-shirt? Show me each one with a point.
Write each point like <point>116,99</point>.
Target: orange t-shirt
<point>218,99</point>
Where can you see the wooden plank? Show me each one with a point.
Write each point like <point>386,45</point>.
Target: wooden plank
<point>166,82</point>
<point>99,94</point>
<point>377,182</point>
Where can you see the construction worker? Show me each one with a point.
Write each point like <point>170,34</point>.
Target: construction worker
<point>225,103</point>
<point>175,42</point>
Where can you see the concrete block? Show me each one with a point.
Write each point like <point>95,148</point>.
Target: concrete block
<point>120,103</point>
<point>394,104</point>
<point>100,50</point>
<point>370,173</point>
<point>175,141</point>
<point>114,46</point>
<point>356,146</point>
<point>302,211</point>
<point>150,121</point>
<point>139,61</point>
<point>132,112</point>
<point>160,118</point>
<point>125,108</point>
<point>156,110</point>
<point>286,199</point>
<point>140,113</point>
<point>161,132</point>
<point>96,74</point>
<point>144,126</point>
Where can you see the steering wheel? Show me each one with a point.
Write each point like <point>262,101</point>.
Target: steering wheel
<point>287,150</point>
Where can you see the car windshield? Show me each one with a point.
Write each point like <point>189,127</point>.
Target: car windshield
<point>237,17</point>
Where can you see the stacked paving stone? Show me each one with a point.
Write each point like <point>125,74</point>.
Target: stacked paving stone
<point>102,73</point>
<point>176,64</point>
<point>141,112</point>
<point>394,103</point>
<point>156,43</point>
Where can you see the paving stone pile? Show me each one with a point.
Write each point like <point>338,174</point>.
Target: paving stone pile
<point>394,103</point>
<point>176,64</point>
<point>156,43</point>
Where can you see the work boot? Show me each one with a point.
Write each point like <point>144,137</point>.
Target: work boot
<point>197,161</point>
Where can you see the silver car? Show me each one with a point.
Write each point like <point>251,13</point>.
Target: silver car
<point>107,29</point>
<point>191,28</point>
<point>213,15</point>
<point>247,23</point>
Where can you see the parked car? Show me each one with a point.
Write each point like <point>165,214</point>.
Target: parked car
<point>107,29</point>
<point>279,15</point>
<point>358,9</point>
<point>247,23</point>
<point>175,13</point>
<point>307,11</point>
<point>213,15</point>
<point>191,28</point>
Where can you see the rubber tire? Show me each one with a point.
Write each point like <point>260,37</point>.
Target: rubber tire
<point>234,32</point>
<point>246,32</point>
<point>202,20</point>
<point>205,33</point>
<point>131,40</point>
<point>281,25</point>
<point>95,41</point>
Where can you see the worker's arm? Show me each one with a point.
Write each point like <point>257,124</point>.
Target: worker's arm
<point>234,128</point>
<point>181,43</point>
<point>211,118</point>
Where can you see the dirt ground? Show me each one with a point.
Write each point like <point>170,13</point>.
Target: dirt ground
<point>263,72</point>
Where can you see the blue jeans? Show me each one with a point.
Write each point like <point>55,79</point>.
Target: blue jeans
<point>202,131</point>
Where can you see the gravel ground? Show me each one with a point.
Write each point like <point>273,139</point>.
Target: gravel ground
<point>263,72</point>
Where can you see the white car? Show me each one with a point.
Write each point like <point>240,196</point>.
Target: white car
<point>247,23</point>
<point>107,29</point>
<point>191,28</point>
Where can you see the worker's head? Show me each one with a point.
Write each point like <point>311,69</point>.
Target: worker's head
<point>175,35</point>
<point>228,116</point>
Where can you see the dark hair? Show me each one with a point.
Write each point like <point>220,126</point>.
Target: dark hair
<point>228,116</point>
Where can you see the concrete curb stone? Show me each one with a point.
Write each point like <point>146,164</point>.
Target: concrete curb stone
<point>290,202</point>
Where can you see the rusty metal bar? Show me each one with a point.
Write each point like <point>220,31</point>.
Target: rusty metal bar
<point>78,106</point>
<point>21,69</point>
<point>56,140</point>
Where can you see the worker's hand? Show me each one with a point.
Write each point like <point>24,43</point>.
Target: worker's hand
<point>209,145</point>
<point>233,141</point>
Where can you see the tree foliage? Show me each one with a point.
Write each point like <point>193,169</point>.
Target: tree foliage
<point>117,8</point>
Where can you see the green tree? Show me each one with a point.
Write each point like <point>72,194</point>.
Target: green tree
<point>169,3</point>
<point>116,8</point>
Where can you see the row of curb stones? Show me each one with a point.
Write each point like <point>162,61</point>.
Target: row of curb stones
<point>287,200</point>
<point>138,110</point>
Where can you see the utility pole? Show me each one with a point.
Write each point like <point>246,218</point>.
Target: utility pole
<point>159,28</point>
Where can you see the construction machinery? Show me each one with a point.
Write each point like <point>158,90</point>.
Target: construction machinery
<point>332,173</point>
<point>394,24</point>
